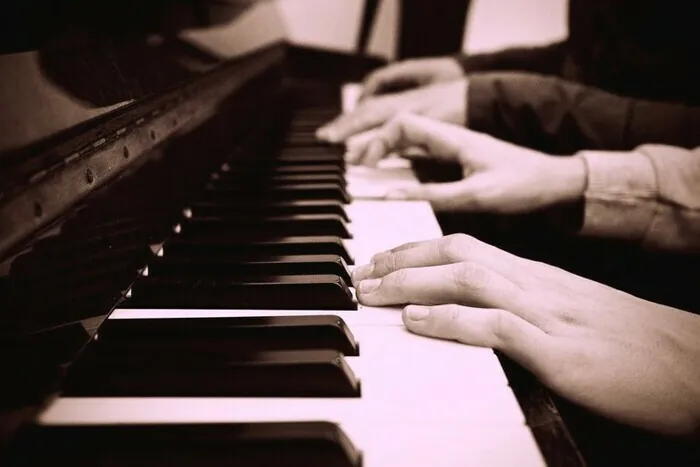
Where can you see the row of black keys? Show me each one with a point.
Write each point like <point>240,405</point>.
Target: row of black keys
<point>264,236</point>
<point>218,267</point>
<point>285,356</point>
<point>289,356</point>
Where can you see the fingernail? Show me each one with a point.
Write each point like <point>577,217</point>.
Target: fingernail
<point>417,313</point>
<point>369,285</point>
<point>362,272</point>
<point>397,195</point>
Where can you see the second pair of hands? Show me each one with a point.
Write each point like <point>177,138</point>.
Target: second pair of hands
<point>498,177</point>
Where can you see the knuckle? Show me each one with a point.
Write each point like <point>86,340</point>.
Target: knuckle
<point>455,247</point>
<point>445,322</point>
<point>397,278</point>
<point>500,326</point>
<point>388,263</point>
<point>470,276</point>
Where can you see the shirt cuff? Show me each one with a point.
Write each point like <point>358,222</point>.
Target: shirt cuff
<point>620,193</point>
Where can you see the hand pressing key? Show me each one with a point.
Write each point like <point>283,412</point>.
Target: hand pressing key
<point>634,361</point>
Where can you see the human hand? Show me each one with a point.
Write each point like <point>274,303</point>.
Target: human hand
<point>410,74</point>
<point>499,177</point>
<point>626,358</point>
<point>442,101</point>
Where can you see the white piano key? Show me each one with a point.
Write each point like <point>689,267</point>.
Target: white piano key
<point>363,316</point>
<point>381,225</point>
<point>444,444</point>
<point>375,183</point>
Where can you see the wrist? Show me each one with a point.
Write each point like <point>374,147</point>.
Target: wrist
<point>460,61</point>
<point>568,178</point>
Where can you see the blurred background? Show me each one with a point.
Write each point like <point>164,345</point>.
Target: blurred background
<point>60,60</point>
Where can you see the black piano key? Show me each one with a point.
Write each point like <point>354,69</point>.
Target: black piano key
<point>302,191</point>
<point>216,335</point>
<point>294,179</point>
<point>309,169</point>
<point>290,444</point>
<point>302,292</point>
<point>100,372</point>
<point>269,177</point>
<point>247,269</point>
<point>309,159</point>
<point>242,226</point>
<point>332,165</point>
<point>266,181</point>
<point>257,248</point>
<point>317,148</point>
<point>253,208</point>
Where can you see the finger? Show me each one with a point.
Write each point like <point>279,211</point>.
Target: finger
<point>379,79</point>
<point>367,115</point>
<point>494,328</point>
<point>465,283</point>
<point>447,250</point>
<point>446,197</point>
<point>356,145</point>
<point>406,130</point>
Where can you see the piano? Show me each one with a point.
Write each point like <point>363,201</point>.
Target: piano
<point>209,237</point>
<point>175,289</point>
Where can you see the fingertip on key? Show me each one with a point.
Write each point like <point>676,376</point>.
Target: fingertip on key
<point>361,273</point>
<point>369,285</point>
<point>416,313</point>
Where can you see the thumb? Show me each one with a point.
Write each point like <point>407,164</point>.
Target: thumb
<point>485,327</point>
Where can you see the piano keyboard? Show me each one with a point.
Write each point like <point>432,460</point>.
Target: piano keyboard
<point>242,344</point>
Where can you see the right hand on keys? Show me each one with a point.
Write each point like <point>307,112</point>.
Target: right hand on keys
<point>499,177</point>
<point>411,74</point>
<point>616,354</point>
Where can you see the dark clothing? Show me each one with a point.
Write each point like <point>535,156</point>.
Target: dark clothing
<point>627,74</point>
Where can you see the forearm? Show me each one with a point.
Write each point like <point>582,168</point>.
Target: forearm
<point>561,117</point>
<point>650,195</point>
<point>546,59</point>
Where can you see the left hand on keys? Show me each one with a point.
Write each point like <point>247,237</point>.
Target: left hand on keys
<point>634,361</point>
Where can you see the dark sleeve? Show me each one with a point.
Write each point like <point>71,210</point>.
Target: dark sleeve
<point>547,59</point>
<point>562,117</point>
